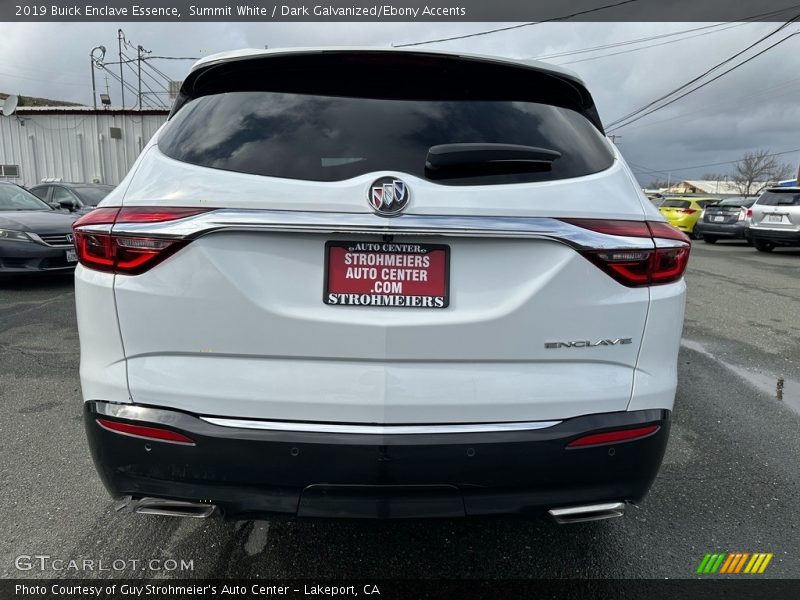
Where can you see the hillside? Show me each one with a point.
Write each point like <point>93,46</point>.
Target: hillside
<point>33,101</point>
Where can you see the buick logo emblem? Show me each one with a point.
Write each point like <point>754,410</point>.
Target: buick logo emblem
<point>388,196</point>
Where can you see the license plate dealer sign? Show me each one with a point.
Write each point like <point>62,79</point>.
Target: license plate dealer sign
<point>392,274</point>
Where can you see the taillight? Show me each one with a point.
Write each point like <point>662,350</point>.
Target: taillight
<point>688,211</point>
<point>102,249</point>
<point>742,214</point>
<point>145,432</point>
<point>639,267</point>
<point>749,213</point>
<point>614,437</point>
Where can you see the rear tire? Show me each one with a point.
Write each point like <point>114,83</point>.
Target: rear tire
<point>763,246</point>
<point>694,235</point>
<point>709,240</point>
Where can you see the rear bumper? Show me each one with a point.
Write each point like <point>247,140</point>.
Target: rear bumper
<point>310,474</point>
<point>732,230</point>
<point>21,258</point>
<point>776,236</point>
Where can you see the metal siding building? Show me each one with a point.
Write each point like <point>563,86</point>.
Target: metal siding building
<point>74,143</point>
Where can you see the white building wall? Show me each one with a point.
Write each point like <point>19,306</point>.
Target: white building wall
<point>75,145</point>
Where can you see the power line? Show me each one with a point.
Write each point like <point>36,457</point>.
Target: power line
<point>518,26</point>
<point>699,77</point>
<point>718,26</point>
<point>673,100</point>
<point>734,102</point>
<point>666,171</point>
<point>629,50</point>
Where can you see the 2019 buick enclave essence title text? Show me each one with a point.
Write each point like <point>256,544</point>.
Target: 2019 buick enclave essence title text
<point>379,283</point>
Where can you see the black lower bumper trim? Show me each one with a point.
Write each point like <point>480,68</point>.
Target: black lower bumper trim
<point>252,472</point>
<point>783,238</point>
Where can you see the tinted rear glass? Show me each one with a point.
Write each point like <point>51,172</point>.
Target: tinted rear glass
<point>676,204</point>
<point>737,202</point>
<point>782,198</point>
<point>332,138</point>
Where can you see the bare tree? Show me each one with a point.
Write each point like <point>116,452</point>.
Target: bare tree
<point>657,184</point>
<point>755,170</point>
<point>715,177</point>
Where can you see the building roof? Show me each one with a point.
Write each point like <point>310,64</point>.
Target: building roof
<point>112,110</point>
<point>726,188</point>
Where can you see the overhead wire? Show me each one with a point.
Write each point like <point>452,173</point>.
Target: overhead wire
<point>517,26</point>
<point>616,124</point>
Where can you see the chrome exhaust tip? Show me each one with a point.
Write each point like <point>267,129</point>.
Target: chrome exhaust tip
<point>587,512</point>
<point>173,508</point>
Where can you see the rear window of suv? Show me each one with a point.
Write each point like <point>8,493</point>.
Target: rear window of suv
<point>780,198</point>
<point>676,204</point>
<point>317,137</point>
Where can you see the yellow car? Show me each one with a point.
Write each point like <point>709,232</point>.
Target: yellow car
<point>684,212</point>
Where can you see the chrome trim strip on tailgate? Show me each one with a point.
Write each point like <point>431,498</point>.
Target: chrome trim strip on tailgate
<point>305,427</point>
<point>133,412</point>
<point>366,223</point>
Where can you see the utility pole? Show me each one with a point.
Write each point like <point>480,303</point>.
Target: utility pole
<point>614,137</point>
<point>93,61</point>
<point>120,37</point>
<point>139,61</point>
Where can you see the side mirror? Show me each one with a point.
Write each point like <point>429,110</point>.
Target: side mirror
<point>54,205</point>
<point>70,205</point>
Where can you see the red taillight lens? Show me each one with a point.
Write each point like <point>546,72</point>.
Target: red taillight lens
<point>667,232</point>
<point>688,211</point>
<point>613,437</point>
<point>639,267</point>
<point>99,216</point>
<point>145,432</point>
<point>749,213</point>
<point>121,253</point>
<point>148,214</point>
<point>629,267</point>
<point>668,264</point>
<point>625,228</point>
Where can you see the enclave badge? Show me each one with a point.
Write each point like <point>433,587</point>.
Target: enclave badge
<point>388,196</point>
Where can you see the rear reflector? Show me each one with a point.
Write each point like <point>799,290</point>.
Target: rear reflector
<point>612,437</point>
<point>126,254</point>
<point>639,267</point>
<point>144,432</point>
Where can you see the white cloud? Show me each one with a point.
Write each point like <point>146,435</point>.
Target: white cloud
<point>754,107</point>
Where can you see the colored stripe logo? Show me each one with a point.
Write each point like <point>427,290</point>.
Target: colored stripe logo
<point>729,563</point>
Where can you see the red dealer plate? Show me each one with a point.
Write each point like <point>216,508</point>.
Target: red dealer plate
<point>392,274</point>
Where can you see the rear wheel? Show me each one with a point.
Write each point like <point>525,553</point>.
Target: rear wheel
<point>694,234</point>
<point>764,246</point>
<point>709,239</point>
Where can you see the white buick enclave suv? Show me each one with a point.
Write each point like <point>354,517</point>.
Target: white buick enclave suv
<point>379,283</point>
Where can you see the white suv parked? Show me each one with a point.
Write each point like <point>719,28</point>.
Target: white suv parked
<point>775,219</point>
<point>379,283</point>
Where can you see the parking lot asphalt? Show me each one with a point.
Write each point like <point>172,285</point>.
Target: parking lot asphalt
<point>729,482</point>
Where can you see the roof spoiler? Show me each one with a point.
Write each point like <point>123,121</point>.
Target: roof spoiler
<point>404,75</point>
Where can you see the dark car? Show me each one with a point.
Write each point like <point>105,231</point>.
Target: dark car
<point>726,219</point>
<point>75,197</point>
<point>33,236</point>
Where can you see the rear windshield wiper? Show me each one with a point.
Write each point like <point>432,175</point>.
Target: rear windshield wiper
<point>465,160</point>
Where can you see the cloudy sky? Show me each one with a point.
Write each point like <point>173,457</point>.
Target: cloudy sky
<point>754,107</point>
